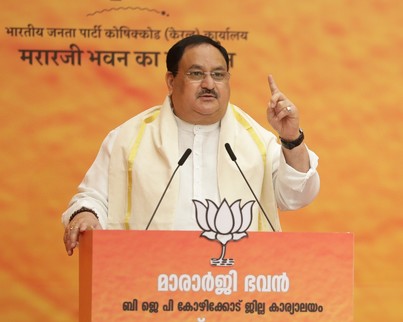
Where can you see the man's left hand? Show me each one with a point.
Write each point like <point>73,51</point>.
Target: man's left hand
<point>282,114</point>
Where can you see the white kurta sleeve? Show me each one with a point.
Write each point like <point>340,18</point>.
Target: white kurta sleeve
<point>294,189</point>
<point>93,190</point>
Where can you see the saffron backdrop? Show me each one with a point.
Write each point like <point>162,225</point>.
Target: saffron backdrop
<point>339,61</point>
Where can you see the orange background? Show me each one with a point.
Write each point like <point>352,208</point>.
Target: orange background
<point>339,61</point>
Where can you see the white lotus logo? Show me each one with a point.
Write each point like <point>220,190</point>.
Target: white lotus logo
<point>223,223</point>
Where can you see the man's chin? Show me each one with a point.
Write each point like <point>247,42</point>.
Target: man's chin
<point>211,114</point>
<point>207,109</point>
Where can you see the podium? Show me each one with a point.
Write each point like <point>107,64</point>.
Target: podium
<point>128,275</point>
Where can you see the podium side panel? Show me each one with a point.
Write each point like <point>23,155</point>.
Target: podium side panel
<point>86,276</point>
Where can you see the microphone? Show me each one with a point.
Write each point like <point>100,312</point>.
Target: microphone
<point>180,163</point>
<point>233,158</point>
<point>183,158</point>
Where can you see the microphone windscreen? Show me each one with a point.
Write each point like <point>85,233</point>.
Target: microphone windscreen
<point>230,152</point>
<point>184,156</point>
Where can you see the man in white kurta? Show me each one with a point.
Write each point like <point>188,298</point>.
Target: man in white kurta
<point>163,140</point>
<point>123,186</point>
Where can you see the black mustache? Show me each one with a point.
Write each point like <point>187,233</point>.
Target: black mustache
<point>207,91</point>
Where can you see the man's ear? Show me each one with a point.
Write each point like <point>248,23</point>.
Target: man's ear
<point>169,79</point>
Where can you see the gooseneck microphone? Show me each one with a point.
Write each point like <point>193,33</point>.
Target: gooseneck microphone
<point>233,158</point>
<point>182,160</point>
<point>180,163</point>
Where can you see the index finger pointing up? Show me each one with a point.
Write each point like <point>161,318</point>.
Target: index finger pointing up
<point>272,85</point>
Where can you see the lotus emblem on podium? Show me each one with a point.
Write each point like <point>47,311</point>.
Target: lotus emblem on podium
<point>223,223</point>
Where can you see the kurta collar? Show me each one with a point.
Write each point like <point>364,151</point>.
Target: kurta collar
<point>193,128</point>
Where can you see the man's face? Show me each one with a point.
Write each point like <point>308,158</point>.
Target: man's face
<point>204,101</point>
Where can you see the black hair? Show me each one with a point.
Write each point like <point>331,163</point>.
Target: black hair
<point>175,53</point>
